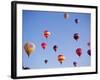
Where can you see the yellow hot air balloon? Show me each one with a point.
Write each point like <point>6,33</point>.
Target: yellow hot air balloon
<point>29,48</point>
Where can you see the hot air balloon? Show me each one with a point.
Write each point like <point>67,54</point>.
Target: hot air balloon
<point>89,52</point>
<point>55,47</point>
<point>61,58</point>
<point>75,63</point>
<point>76,36</point>
<point>25,68</point>
<point>88,44</point>
<point>47,34</point>
<point>77,21</point>
<point>66,15</point>
<point>44,45</point>
<point>29,48</point>
<point>79,51</point>
<point>46,61</point>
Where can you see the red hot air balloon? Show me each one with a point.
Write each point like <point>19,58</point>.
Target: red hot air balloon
<point>79,51</point>
<point>77,21</point>
<point>89,52</point>
<point>44,45</point>
<point>76,36</point>
<point>46,61</point>
<point>75,63</point>
<point>55,47</point>
<point>47,34</point>
<point>61,58</point>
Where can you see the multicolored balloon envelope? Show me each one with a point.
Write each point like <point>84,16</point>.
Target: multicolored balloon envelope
<point>29,48</point>
<point>61,58</point>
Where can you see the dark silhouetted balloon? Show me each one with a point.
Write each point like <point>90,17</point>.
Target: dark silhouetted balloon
<point>61,58</point>
<point>76,36</point>
<point>26,68</point>
<point>46,61</point>
<point>79,51</point>
<point>88,44</point>
<point>44,45</point>
<point>47,34</point>
<point>55,48</point>
<point>89,52</point>
<point>77,21</point>
<point>29,48</point>
<point>75,63</point>
<point>66,15</point>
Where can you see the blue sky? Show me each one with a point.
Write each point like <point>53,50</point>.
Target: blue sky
<point>62,31</point>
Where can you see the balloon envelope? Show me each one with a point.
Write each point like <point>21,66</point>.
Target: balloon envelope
<point>29,48</point>
<point>61,58</point>
<point>47,33</point>
<point>79,51</point>
<point>76,36</point>
<point>44,45</point>
<point>46,61</point>
<point>66,15</point>
<point>89,52</point>
<point>75,63</point>
<point>77,21</point>
<point>55,47</point>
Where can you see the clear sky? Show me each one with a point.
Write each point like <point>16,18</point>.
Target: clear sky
<point>62,31</point>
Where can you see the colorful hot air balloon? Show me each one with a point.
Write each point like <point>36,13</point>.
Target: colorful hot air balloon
<point>61,58</point>
<point>76,36</point>
<point>44,45</point>
<point>79,51</point>
<point>29,48</point>
<point>75,63</point>
<point>89,52</point>
<point>47,34</point>
<point>66,15</point>
<point>55,48</point>
<point>77,21</point>
<point>46,61</point>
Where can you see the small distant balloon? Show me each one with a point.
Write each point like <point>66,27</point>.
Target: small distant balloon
<point>75,63</point>
<point>66,15</point>
<point>76,36</point>
<point>79,51</point>
<point>77,21</point>
<point>29,48</point>
<point>47,34</point>
<point>44,45</point>
<point>61,58</point>
<point>55,48</point>
<point>88,44</point>
<point>46,61</point>
<point>26,68</point>
<point>89,52</point>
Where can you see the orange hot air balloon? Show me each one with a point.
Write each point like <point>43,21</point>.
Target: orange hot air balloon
<point>44,45</point>
<point>66,15</point>
<point>76,36</point>
<point>79,51</point>
<point>47,34</point>
<point>61,58</point>
<point>29,48</point>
